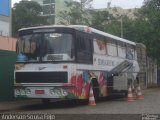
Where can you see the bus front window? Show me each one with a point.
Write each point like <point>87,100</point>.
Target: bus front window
<point>29,45</point>
<point>58,46</point>
<point>47,46</point>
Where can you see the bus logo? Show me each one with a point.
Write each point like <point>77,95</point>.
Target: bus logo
<point>41,68</point>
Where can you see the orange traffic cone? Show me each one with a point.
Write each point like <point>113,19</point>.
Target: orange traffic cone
<point>130,95</point>
<point>91,97</point>
<point>139,93</point>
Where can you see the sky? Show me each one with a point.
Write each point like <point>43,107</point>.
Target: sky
<point>126,4</point>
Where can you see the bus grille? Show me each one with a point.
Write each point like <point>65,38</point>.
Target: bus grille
<point>41,77</point>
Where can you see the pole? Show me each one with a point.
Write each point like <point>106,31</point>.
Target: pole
<point>81,5</point>
<point>121,27</point>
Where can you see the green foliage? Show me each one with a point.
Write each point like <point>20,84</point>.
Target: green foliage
<point>146,28</point>
<point>26,14</point>
<point>74,15</point>
<point>78,13</point>
<point>100,20</point>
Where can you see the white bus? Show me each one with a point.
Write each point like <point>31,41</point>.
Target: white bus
<point>63,62</point>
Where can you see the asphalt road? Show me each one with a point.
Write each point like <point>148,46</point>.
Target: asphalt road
<point>106,108</point>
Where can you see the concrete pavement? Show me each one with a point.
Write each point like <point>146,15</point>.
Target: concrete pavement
<point>8,106</point>
<point>12,105</point>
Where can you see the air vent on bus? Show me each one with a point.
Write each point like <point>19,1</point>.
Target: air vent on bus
<point>41,77</point>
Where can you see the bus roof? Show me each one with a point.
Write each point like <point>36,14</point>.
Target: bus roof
<point>84,28</point>
<point>103,33</point>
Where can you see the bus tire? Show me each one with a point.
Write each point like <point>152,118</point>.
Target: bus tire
<point>94,84</point>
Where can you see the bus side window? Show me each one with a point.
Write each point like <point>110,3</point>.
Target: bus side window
<point>81,43</point>
<point>130,54</point>
<point>99,46</point>
<point>122,50</point>
<point>112,49</point>
<point>84,48</point>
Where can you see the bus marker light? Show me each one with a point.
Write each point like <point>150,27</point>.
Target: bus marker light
<point>39,91</point>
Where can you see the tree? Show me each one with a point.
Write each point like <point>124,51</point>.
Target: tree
<point>78,13</point>
<point>101,20</point>
<point>145,28</point>
<point>148,27</point>
<point>151,12</point>
<point>26,14</point>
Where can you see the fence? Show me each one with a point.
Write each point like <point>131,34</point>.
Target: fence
<point>141,57</point>
<point>7,43</point>
<point>7,60</point>
<point>151,72</point>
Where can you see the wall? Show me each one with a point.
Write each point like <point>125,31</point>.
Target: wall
<point>158,76</point>
<point>7,60</point>
<point>4,28</point>
<point>151,72</point>
<point>141,57</point>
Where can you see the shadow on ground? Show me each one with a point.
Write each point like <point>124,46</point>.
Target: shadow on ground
<point>53,105</point>
<point>66,104</point>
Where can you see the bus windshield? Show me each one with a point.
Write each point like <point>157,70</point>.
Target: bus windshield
<point>46,46</point>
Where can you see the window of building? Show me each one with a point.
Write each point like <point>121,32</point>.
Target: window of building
<point>48,1</point>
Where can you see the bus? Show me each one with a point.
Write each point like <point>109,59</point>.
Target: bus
<point>61,62</point>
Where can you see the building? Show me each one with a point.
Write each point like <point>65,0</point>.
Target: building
<point>5,17</point>
<point>51,8</point>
